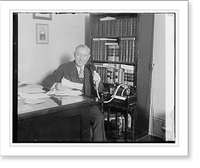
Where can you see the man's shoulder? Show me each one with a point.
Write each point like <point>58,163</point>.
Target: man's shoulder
<point>67,65</point>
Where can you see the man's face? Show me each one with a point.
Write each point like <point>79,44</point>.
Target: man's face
<point>81,56</point>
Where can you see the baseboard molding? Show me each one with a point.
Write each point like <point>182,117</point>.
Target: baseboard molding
<point>156,127</point>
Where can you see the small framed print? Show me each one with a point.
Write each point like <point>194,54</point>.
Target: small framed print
<point>43,16</point>
<point>42,33</point>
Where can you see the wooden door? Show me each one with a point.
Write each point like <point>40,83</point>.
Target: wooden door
<point>144,64</point>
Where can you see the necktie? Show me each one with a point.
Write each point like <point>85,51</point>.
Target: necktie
<point>80,74</point>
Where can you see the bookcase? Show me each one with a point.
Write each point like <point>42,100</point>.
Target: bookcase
<point>121,49</point>
<point>113,43</point>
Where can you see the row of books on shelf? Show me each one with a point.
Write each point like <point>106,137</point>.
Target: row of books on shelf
<point>114,27</point>
<point>105,49</point>
<point>116,73</point>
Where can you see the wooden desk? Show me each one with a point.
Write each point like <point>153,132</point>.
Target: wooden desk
<point>55,120</point>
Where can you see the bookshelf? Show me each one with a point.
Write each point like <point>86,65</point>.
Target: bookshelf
<point>113,43</point>
<point>121,49</point>
<point>113,49</point>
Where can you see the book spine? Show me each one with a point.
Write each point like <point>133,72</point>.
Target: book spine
<point>117,24</point>
<point>111,53</point>
<point>133,51</point>
<point>111,33</point>
<point>124,27</point>
<point>130,50</point>
<point>107,28</point>
<point>124,51</point>
<point>120,71</point>
<point>92,28</point>
<point>120,27</point>
<point>117,53</point>
<point>103,28</point>
<point>104,74</point>
<point>127,50</point>
<point>97,48</point>
<point>100,28</point>
<point>120,50</point>
<point>134,26</point>
<point>100,49</point>
<point>129,32</point>
<point>117,73</point>
<point>131,26</point>
<point>125,77</point>
<point>93,50</point>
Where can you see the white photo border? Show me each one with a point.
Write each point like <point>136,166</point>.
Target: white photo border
<point>9,149</point>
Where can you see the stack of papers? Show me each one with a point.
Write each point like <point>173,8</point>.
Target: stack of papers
<point>70,99</point>
<point>71,85</point>
<point>33,101</point>
<point>31,93</point>
<point>67,92</point>
<point>30,89</point>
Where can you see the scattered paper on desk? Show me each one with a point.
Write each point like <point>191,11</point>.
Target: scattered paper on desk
<point>72,85</point>
<point>24,107</point>
<point>20,98</point>
<point>34,86</point>
<point>51,92</point>
<point>30,90</point>
<point>66,92</point>
<point>70,99</point>
<point>33,96</point>
<point>33,101</point>
<point>69,93</point>
<point>54,91</point>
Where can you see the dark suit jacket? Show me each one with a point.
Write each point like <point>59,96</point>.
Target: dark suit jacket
<point>69,71</point>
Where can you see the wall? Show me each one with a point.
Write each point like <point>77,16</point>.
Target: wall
<point>157,108</point>
<point>36,61</point>
<point>169,126</point>
<point>162,90</point>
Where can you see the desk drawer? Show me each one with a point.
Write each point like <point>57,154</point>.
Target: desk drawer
<point>63,126</point>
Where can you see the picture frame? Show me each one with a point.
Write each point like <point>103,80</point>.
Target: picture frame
<point>42,33</point>
<point>42,16</point>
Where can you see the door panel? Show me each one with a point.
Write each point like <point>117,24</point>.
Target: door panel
<point>145,47</point>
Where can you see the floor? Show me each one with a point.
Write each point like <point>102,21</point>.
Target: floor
<point>150,138</point>
<point>113,136</point>
<point>145,139</point>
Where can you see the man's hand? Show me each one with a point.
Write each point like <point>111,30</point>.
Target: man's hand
<point>96,78</point>
<point>60,87</point>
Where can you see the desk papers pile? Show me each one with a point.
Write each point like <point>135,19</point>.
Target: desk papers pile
<point>66,92</point>
<point>71,85</point>
<point>31,94</point>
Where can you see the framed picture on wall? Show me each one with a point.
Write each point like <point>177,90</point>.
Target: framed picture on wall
<point>43,16</point>
<point>42,33</point>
